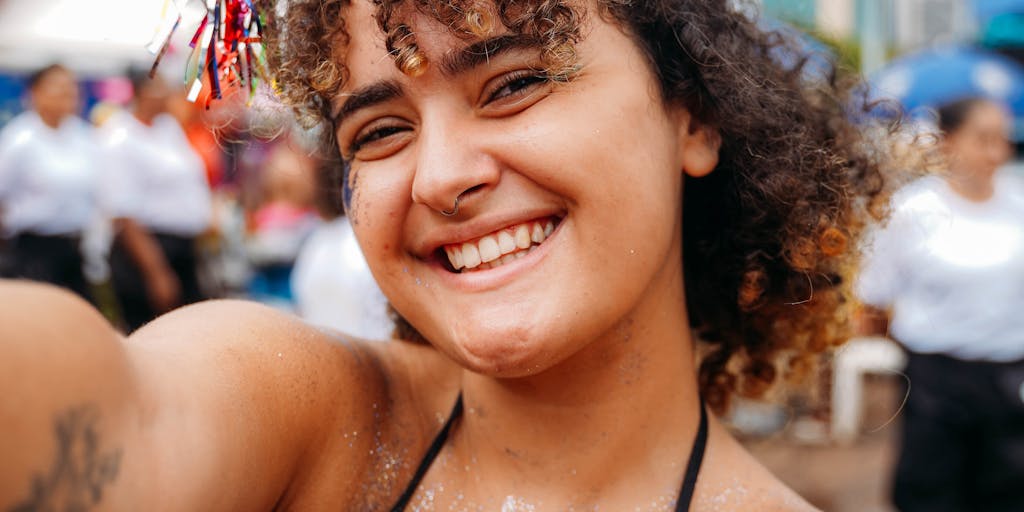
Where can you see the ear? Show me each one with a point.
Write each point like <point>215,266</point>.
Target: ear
<point>698,145</point>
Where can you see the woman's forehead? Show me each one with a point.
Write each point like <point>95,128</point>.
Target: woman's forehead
<point>437,27</point>
<point>446,50</point>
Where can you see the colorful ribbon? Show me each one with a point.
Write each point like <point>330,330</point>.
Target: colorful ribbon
<point>226,48</point>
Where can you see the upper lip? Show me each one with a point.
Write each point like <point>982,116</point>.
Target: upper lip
<point>442,235</point>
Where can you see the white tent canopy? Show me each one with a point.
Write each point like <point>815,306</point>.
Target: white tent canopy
<point>94,37</point>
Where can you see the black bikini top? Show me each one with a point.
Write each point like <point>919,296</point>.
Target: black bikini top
<point>682,503</point>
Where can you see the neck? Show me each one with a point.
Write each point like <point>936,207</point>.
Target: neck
<point>628,401</point>
<point>51,120</point>
<point>972,188</point>
<point>145,116</point>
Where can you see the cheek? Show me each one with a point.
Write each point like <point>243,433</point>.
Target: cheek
<point>1001,151</point>
<point>357,197</point>
<point>377,202</point>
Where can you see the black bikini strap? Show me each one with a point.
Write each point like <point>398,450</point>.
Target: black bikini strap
<point>428,458</point>
<point>682,503</point>
<point>693,466</point>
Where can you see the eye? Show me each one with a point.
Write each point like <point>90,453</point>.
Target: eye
<point>376,140</point>
<point>516,84</point>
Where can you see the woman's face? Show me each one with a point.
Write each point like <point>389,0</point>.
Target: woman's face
<point>981,144</point>
<point>153,96</point>
<point>577,185</point>
<point>55,95</point>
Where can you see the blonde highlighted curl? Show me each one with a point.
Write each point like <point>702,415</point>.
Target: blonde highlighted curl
<point>769,236</point>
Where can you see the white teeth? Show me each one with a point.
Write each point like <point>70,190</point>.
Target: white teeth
<point>537,235</point>
<point>488,249</point>
<point>523,237</point>
<point>506,243</point>
<point>470,256</point>
<point>458,262</point>
<point>505,246</point>
<point>454,255</point>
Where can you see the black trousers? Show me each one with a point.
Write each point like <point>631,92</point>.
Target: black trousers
<point>48,258</point>
<point>963,437</point>
<point>130,287</point>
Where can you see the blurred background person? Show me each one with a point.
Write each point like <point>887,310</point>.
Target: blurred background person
<point>157,195</point>
<point>948,273</point>
<point>331,282</point>
<point>282,217</point>
<point>48,184</point>
<point>196,121</point>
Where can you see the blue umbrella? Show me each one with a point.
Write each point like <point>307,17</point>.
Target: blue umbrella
<point>1000,22</point>
<point>930,78</point>
<point>933,77</point>
<point>985,10</point>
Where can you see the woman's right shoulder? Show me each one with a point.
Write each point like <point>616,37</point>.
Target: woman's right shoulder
<point>257,337</point>
<point>350,401</point>
<point>311,416</point>
<point>263,344</point>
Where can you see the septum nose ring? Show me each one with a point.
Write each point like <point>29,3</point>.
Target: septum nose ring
<point>454,210</point>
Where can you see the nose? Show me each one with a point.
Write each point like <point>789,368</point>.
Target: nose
<point>452,165</point>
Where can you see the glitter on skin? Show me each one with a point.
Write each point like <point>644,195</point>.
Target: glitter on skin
<point>391,463</point>
<point>513,504</point>
<point>434,497</point>
<point>729,497</point>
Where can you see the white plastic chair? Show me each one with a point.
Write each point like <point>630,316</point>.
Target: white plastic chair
<point>853,360</point>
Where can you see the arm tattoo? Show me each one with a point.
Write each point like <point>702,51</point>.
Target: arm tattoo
<point>79,472</point>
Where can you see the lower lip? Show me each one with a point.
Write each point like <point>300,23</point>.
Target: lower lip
<point>483,280</point>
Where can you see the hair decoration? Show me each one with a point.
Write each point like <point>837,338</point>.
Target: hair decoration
<point>226,48</point>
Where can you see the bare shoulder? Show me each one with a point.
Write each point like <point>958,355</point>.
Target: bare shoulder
<point>270,355</point>
<point>399,414</point>
<point>733,480</point>
<point>265,343</point>
<point>362,411</point>
<point>280,414</point>
<point>29,303</point>
<point>263,351</point>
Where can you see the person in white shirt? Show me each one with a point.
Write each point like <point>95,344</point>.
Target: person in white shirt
<point>155,191</point>
<point>331,281</point>
<point>48,180</point>
<point>948,272</point>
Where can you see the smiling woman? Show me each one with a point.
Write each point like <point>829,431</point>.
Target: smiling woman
<point>568,201</point>
<point>765,230</point>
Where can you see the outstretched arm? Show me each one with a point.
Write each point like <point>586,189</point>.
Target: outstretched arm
<point>68,396</point>
<point>212,408</point>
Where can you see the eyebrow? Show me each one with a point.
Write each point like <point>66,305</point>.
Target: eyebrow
<point>452,63</point>
<point>369,96</point>
<point>481,52</point>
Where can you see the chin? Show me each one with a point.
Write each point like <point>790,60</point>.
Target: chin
<point>503,355</point>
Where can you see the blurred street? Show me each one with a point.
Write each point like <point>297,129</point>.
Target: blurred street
<point>836,477</point>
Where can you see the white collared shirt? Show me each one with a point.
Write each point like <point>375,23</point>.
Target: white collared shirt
<point>48,177</point>
<point>952,271</point>
<point>153,175</point>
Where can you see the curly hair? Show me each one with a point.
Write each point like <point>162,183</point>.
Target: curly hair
<point>770,235</point>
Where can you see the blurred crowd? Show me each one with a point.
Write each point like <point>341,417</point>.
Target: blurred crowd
<point>144,208</point>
